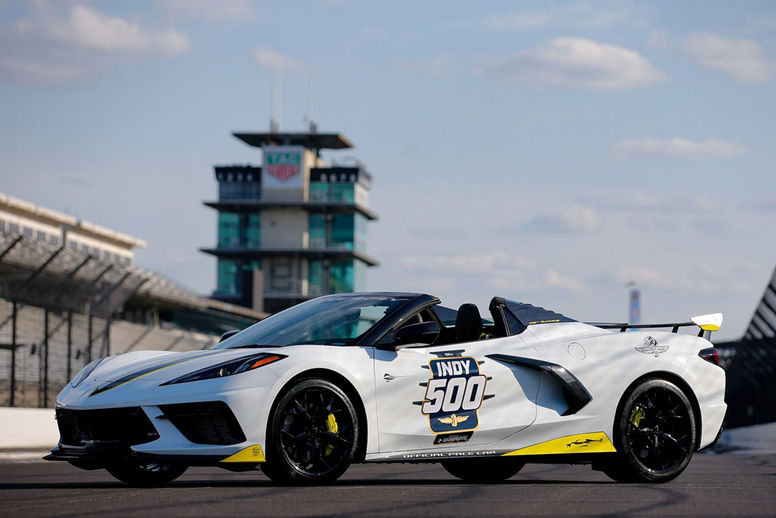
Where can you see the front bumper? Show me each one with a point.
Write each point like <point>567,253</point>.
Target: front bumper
<point>96,456</point>
<point>196,434</point>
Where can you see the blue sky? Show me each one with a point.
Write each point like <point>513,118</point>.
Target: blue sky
<point>544,151</point>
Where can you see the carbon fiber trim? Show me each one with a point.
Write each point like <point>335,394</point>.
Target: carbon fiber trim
<point>575,393</point>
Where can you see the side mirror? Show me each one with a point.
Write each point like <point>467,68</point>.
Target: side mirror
<point>228,334</point>
<point>420,333</point>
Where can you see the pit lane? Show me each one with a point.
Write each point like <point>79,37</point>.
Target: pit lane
<point>712,485</point>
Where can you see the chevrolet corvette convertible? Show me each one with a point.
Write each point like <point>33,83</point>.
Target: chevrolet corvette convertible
<point>396,377</point>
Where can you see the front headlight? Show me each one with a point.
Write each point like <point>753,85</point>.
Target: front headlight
<point>84,373</point>
<point>244,364</point>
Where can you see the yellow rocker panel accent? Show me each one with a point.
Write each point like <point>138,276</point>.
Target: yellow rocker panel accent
<point>595,442</point>
<point>250,454</point>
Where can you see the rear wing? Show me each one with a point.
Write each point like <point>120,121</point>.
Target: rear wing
<point>706,323</point>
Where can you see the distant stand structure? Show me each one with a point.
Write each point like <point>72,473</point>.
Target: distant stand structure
<point>634,313</point>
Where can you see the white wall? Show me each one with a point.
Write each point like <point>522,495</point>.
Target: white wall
<point>23,428</point>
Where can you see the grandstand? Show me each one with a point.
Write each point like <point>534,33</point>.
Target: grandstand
<point>751,366</point>
<point>61,307</point>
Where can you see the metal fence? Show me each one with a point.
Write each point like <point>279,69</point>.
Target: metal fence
<point>58,311</point>
<point>751,381</point>
<point>42,349</point>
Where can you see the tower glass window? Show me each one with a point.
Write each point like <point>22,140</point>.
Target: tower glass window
<point>341,277</point>
<point>252,236</point>
<point>228,229</point>
<point>317,236</point>
<point>319,191</point>
<point>315,278</point>
<point>228,284</point>
<point>342,231</point>
<point>342,192</point>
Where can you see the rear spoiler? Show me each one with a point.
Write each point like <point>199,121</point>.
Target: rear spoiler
<point>711,322</point>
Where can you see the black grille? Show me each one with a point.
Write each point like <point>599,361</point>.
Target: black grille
<point>205,423</point>
<point>118,426</point>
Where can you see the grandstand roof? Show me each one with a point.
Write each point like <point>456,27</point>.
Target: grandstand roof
<point>25,208</point>
<point>69,279</point>
<point>763,323</point>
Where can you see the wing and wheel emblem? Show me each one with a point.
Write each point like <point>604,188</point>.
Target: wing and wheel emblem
<point>650,346</point>
<point>453,420</point>
<point>583,443</point>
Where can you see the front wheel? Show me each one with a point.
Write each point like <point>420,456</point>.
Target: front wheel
<point>483,471</point>
<point>151,474</point>
<point>313,434</point>
<point>655,434</point>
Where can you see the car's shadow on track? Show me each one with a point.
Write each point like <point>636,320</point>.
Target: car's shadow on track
<point>269,484</point>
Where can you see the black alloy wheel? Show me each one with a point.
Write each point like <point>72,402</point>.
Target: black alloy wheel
<point>152,474</point>
<point>656,434</point>
<point>313,434</point>
<point>483,471</point>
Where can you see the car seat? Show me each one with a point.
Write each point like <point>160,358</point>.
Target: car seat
<point>468,323</point>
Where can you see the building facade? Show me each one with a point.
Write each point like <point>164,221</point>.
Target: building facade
<point>293,228</point>
<point>38,223</point>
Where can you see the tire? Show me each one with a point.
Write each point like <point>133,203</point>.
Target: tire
<point>483,471</point>
<point>312,434</point>
<point>655,434</point>
<point>146,475</point>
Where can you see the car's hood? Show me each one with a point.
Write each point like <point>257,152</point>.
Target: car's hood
<point>138,376</point>
<point>150,362</point>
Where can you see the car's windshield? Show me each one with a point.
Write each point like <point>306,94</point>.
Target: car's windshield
<point>329,320</point>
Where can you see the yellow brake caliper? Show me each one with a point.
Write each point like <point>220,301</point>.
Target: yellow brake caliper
<point>636,415</point>
<point>331,424</point>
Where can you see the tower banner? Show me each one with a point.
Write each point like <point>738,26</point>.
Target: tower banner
<point>284,168</point>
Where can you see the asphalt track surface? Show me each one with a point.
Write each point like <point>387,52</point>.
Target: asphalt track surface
<point>713,485</point>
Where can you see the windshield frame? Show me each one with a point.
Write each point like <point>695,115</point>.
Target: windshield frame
<point>393,314</point>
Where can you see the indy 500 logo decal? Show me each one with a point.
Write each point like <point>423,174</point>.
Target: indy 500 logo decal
<point>454,394</point>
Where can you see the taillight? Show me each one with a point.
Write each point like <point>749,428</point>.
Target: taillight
<point>710,355</point>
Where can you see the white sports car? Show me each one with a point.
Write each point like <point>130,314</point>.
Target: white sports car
<point>395,377</point>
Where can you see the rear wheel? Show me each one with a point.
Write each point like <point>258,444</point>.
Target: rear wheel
<point>483,471</point>
<point>655,434</point>
<point>151,474</point>
<point>313,434</point>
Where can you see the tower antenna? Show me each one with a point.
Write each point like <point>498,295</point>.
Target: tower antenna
<point>310,117</point>
<point>277,100</point>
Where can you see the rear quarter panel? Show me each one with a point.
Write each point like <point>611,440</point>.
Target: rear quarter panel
<point>606,363</point>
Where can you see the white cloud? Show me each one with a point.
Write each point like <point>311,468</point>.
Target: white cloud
<point>555,279</point>
<point>568,15</point>
<point>577,63</point>
<point>271,59</point>
<point>458,264</point>
<point>91,29</point>
<point>652,203</point>
<point>496,269</point>
<point>518,21</point>
<point>213,10</point>
<point>677,148</point>
<point>567,220</point>
<point>742,59</point>
<point>52,47</point>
